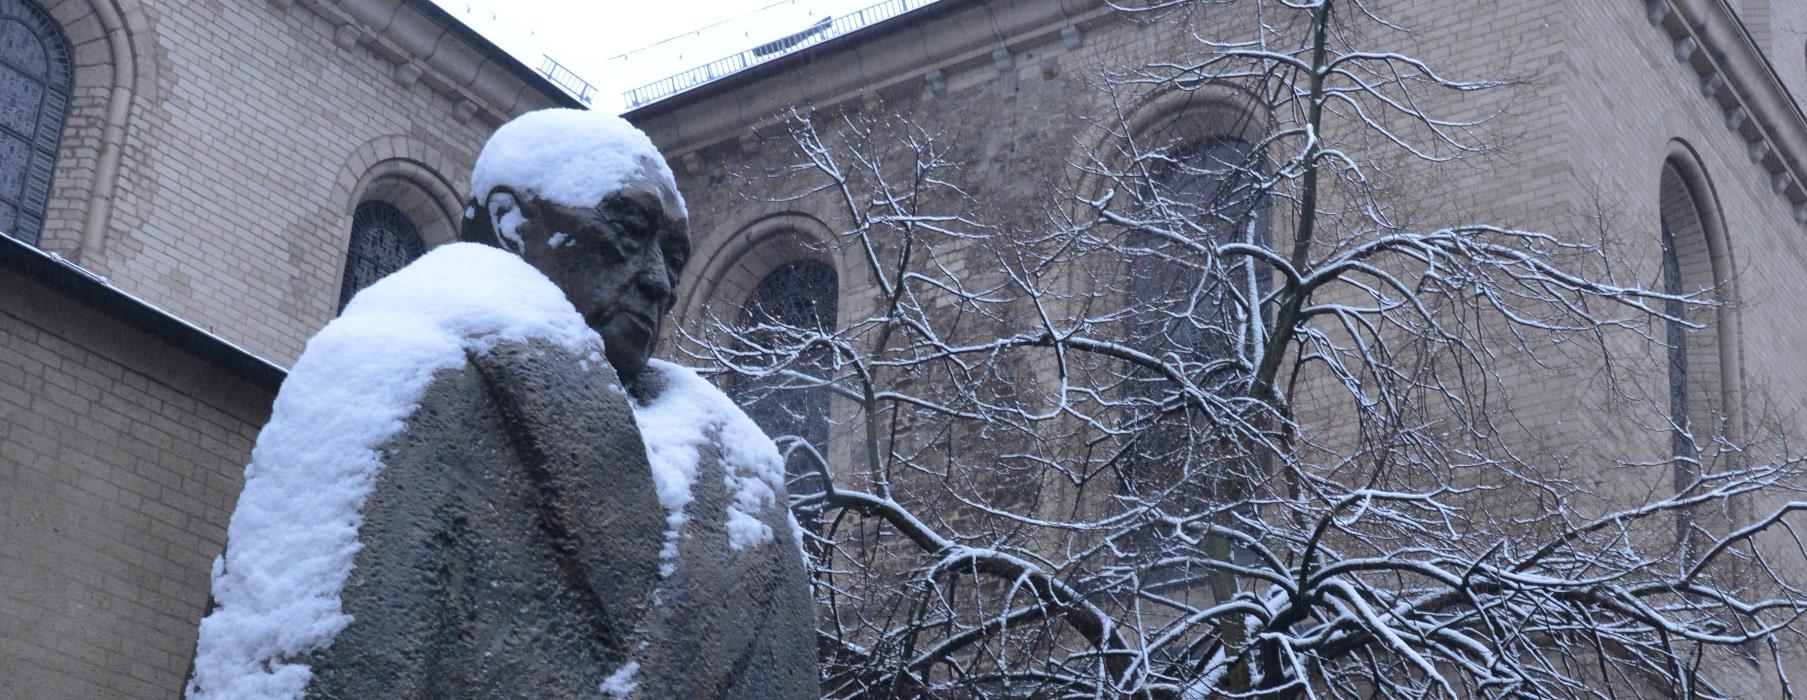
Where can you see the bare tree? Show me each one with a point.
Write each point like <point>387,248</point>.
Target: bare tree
<point>1225,421</point>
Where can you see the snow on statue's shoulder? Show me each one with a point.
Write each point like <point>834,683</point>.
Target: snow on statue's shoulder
<point>293,536</point>
<point>572,157</point>
<point>674,427</point>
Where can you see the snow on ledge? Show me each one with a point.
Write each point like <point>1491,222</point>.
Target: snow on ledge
<point>293,536</point>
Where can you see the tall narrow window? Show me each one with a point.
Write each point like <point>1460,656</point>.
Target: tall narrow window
<point>35,79</point>
<point>1199,306</point>
<point>801,296</point>
<point>1190,305</point>
<point>382,241</point>
<point>1692,353</point>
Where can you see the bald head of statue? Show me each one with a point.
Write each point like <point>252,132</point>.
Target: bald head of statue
<point>585,199</point>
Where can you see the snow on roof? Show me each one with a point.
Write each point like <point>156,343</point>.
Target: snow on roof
<point>572,157</point>
<point>294,534</point>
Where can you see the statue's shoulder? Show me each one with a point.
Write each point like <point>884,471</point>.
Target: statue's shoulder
<point>673,396</point>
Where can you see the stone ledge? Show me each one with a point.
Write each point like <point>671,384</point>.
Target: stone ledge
<point>433,48</point>
<point>94,291</point>
<point>1735,75</point>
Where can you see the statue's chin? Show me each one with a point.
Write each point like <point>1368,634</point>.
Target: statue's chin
<point>626,343</point>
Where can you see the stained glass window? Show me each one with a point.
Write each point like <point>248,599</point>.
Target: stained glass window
<point>35,78</point>
<point>1192,307</point>
<point>1696,397</point>
<point>797,296</point>
<point>382,241</point>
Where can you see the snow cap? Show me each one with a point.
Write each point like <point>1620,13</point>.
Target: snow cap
<point>574,157</point>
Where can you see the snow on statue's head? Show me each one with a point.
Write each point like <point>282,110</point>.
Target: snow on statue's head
<point>586,198</point>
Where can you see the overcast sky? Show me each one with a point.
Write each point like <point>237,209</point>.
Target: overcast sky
<point>618,45</point>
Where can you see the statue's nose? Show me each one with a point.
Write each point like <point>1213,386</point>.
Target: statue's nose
<point>653,282</point>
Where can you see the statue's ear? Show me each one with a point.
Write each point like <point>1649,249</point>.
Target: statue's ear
<point>502,202</point>
<point>477,227</point>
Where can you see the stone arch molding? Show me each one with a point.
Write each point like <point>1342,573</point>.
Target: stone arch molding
<point>1721,271</point>
<point>1161,118</point>
<point>104,46</point>
<point>723,277</point>
<point>407,173</point>
<point>1165,117</point>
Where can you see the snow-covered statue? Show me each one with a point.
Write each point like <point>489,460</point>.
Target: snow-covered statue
<point>476,484</point>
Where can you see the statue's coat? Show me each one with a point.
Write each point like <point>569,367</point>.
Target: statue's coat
<point>510,548</point>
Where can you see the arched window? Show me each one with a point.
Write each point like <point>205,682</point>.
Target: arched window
<point>35,79</point>
<point>382,241</point>
<point>1696,394</point>
<point>796,296</point>
<point>1196,306</point>
<point>1187,304</point>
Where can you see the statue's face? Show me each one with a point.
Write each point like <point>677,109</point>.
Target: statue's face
<point>618,262</point>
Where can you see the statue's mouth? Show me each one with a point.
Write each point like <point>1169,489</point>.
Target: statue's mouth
<point>632,319</point>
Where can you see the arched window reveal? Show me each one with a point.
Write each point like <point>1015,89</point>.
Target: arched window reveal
<point>35,80</point>
<point>383,240</point>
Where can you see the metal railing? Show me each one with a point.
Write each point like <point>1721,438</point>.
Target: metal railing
<point>815,34</point>
<point>569,81</point>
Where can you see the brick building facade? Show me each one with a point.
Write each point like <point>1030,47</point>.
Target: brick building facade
<point>1678,111</point>
<point>215,154</point>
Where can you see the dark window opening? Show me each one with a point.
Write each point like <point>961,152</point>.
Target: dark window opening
<point>796,297</point>
<point>1203,310</point>
<point>36,73</point>
<point>1691,354</point>
<point>383,240</point>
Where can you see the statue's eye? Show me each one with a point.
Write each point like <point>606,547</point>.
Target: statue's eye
<point>633,221</point>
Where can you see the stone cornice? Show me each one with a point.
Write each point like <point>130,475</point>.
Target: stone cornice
<point>928,44</point>
<point>1708,37</point>
<point>430,47</point>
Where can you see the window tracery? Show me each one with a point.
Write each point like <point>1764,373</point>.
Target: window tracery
<point>36,75</point>
<point>383,240</point>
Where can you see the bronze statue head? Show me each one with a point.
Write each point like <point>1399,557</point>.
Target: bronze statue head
<point>617,258</point>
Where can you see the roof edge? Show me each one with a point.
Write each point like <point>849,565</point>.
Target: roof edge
<point>490,50</point>
<point>94,291</point>
<point>790,61</point>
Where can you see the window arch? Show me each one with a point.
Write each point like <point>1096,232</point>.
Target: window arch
<point>383,240</point>
<point>36,74</point>
<point>800,295</point>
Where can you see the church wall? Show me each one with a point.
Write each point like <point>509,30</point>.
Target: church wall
<point>1017,127</point>
<point>231,218</point>
<point>1629,136</point>
<point>121,456</point>
<point>253,129</point>
<point>1599,104</point>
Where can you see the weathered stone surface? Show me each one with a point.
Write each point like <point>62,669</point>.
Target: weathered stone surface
<point>510,545</point>
<point>510,549</point>
<point>730,624</point>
